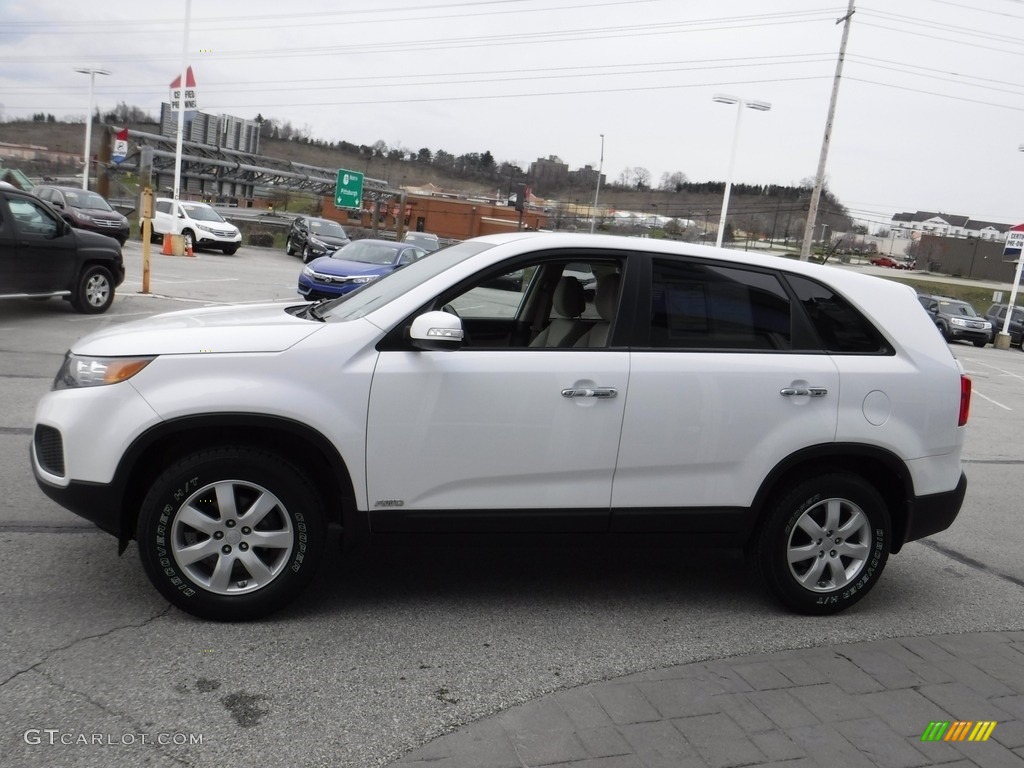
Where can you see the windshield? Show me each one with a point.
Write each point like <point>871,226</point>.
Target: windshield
<point>386,289</point>
<point>326,228</point>
<point>88,200</point>
<point>368,252</point>
<point>201,212</point>
<point>958,309</point>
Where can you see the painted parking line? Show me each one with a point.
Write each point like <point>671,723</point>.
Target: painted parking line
<point>989,399</point>
<point>1000,370</point>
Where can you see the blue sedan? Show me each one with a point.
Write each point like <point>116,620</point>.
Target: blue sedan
<point>354,265</point>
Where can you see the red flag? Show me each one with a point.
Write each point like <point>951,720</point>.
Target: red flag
<point>190,80</point>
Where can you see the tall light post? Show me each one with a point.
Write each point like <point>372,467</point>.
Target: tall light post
<point>1002,338</point>
<point>91,72</point>
<point>600,167</point>
<point>759,106</point>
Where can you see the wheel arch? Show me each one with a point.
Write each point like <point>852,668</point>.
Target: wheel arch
<point>170,441</point>
<point>877,466</point>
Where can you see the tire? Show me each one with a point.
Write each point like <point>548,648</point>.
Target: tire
<point>840,506</point>
<point>230,250</point>
<point>206,498</point>
<point>190,239</point>
<point>307,255</point>
<point>94,292</point>
<point>980,344</point>
<point>289,246</point>
<point>945,332</point>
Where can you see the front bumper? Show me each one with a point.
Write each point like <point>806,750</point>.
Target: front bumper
<point>314,290</point>
<point>968,334</point>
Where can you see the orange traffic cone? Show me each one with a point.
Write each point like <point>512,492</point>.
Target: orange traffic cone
<point>167,245</point>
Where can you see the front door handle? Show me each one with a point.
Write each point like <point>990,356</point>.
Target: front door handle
<point>602,392</point>
<point>806,391</point>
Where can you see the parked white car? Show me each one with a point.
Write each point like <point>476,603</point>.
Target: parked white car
<point>805,414</point>
<point>200,224</point>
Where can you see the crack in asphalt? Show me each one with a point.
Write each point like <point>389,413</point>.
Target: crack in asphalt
<point>993,461</point>
<point>138,727</point>
<point>49,653</point>
<point>15,430</point>
<point>971,562</point>
<point>40,528</point>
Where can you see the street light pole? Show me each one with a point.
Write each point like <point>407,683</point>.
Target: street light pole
<point>600,167</point>
<point>91,72</point>
<point>760,106</point>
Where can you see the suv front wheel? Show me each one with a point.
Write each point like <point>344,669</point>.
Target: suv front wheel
<point>94,292</point>
<point>825,544</point>
<point>231,533</point>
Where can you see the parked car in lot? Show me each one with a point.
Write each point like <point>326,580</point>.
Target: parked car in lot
<point>996,315</point>
<point>353,266</point>
<point>957,320</point>
<point>888,261</point>
<point>807,415</point>
<point>42,256</point>
<point>312,237</point>
<point>200,224</point>
<point>83,209</point>
<point>426,240</point>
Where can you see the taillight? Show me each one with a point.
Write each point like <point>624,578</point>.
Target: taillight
<point>965,400</point>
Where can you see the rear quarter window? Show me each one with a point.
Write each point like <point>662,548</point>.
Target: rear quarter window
<point>840,327</point>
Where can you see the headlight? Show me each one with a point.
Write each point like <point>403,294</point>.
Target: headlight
<point>366,279</point>
<point>79,216</point>
<point>318,244</point>
<point>204,227</point>
<point>958,321</point>
<point>80,371</point>
<point>308,271</point>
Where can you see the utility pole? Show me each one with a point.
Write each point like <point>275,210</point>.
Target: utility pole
<point>819,179</point>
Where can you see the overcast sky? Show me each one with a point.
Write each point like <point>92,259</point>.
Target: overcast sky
<point>929,112</point>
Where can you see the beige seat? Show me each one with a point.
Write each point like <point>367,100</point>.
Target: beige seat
<point>605,302</point>
<point>568,302</point>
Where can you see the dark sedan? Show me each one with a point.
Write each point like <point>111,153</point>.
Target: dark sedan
<point>312,237</point>
<point>353,266</point>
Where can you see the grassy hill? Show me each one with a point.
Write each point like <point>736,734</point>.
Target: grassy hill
<point>762,212</point>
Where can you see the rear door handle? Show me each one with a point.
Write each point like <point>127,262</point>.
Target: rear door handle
<point>804,391</point>
<point>602,392</point>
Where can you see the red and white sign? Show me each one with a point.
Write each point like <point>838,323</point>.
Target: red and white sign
<point>190,92</point>
<point>120,150</point>
<point>1014,243</point>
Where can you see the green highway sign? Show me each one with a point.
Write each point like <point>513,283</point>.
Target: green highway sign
<point>348,192</point>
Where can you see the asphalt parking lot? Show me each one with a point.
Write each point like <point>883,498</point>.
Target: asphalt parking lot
<point>390,649</point>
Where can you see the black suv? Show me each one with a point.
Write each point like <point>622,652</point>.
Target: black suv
<point>957,320</point>
<point>42,256</point>
<point>312,237</point>
<point>83,209</point>
<point>997,316</point>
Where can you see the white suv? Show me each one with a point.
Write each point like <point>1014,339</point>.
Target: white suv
<point>807,414</point>
<point>200,223</point>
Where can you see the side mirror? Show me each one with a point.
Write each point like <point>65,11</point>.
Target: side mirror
<point>436,330</point>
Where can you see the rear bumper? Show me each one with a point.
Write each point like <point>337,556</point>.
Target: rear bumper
<point>931,514</point>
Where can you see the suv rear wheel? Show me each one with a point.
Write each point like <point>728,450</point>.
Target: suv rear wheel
<point>825,544</point>
<point>231,533</point>
<point>95,291</point>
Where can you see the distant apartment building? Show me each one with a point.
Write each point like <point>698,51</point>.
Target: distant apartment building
<point>551,176</point>
<point>947,225</point>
